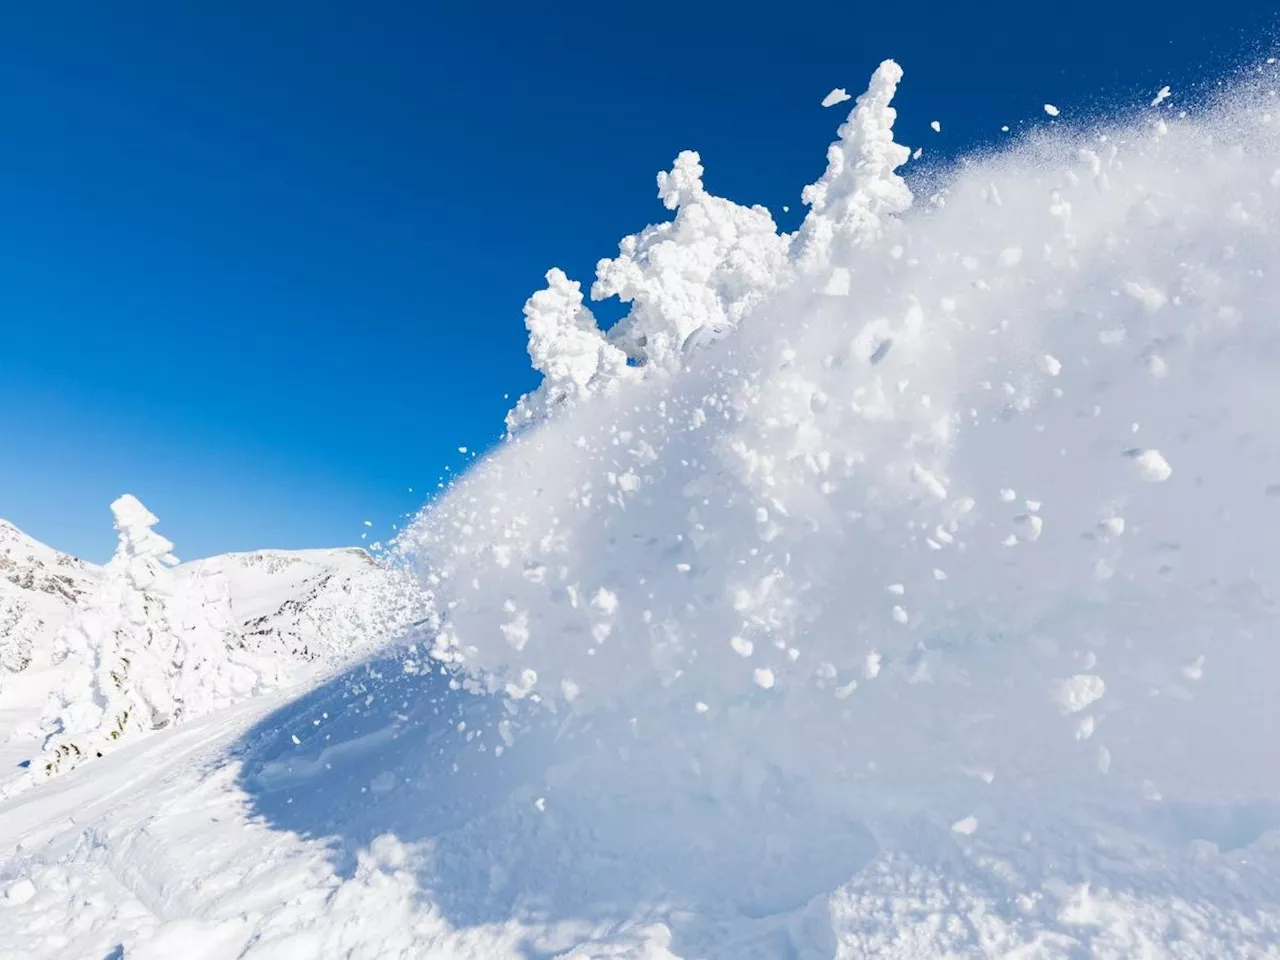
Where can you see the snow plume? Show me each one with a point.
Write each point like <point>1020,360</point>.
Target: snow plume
<point>1026,450</point>
<point>144,653</point>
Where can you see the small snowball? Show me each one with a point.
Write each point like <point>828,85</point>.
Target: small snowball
<point>1050,364</point>
<point>1076,693</point>
<point>871,668</point>
<point>1151,465</point>
<point>966,826</point>
<point>20,892</point>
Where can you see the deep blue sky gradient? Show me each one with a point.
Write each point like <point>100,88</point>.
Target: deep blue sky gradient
<point>262,264</point>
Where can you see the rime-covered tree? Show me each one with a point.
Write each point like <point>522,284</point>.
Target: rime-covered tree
<point>142,653</point>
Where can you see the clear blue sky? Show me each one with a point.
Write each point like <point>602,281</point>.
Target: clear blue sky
<point>262,264</point>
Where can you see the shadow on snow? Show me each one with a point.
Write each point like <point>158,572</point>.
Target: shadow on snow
<point>533,817</point>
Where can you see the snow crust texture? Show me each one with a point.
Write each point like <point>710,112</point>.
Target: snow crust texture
<point>900,587</point>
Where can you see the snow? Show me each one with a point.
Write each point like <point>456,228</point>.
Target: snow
<point>1051,110</point>
<point>838,95</point>
<point>784,623</point>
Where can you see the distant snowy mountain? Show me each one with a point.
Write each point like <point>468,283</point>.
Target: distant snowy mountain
<point>197,635</point>
<point>38,589</point>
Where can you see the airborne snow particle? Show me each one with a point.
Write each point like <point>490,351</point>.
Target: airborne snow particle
<point>763,677</point>
<point>1195,669</point>
<point>937,127</point>
<point>1050,364</point>
<point>1076,693</point>
<point>1161,97</point>
<point>1151,465</point>
<point>743,648</point>
<point>838,95</point>
<point>871,666</point>
<point>20,892</point>
<point>966,826</point>
<point>1051,110</point>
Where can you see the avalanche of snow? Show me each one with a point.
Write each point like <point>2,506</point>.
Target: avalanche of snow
<point>870,590</point>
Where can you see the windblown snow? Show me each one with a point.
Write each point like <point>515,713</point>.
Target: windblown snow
<point>899,587</point>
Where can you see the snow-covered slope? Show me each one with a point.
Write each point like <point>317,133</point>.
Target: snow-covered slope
<point>903,587</point>
<point>38,588</point>
<point>279,616</point>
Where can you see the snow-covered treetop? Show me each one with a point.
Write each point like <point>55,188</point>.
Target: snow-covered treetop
<point>133,523</point>
<point>860,186</point>
<point>566,347</point>
<point>696,277</point>
<point>702,271</point>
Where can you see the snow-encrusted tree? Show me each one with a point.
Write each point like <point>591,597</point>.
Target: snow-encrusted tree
<point>567,348</point>
<point>142,652</point>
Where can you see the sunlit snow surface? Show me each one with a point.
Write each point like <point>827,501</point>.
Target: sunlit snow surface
<point>908,592</point>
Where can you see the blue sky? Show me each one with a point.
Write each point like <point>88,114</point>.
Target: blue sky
<point>262,264</point>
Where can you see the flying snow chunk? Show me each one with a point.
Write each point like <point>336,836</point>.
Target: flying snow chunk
<point>1076,693</point>
<point>1151,465</point>
<point>838,284</point>
<point>927,480</point>
<point>1161,97</point>
<point>742,647</point>
<point>763,677</point>
<point>1050,364</point>
<point>965,827</point>
<point>1152,298</point>
<point>1195,669</point>
<point>1051,110</point>
<point>21,892</point>
<point>937,127</point>
<point>838,95</point>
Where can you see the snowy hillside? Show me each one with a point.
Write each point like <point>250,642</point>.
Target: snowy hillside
<point>38,588</point>
<point>901,587</point>
<point>279,616</point>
